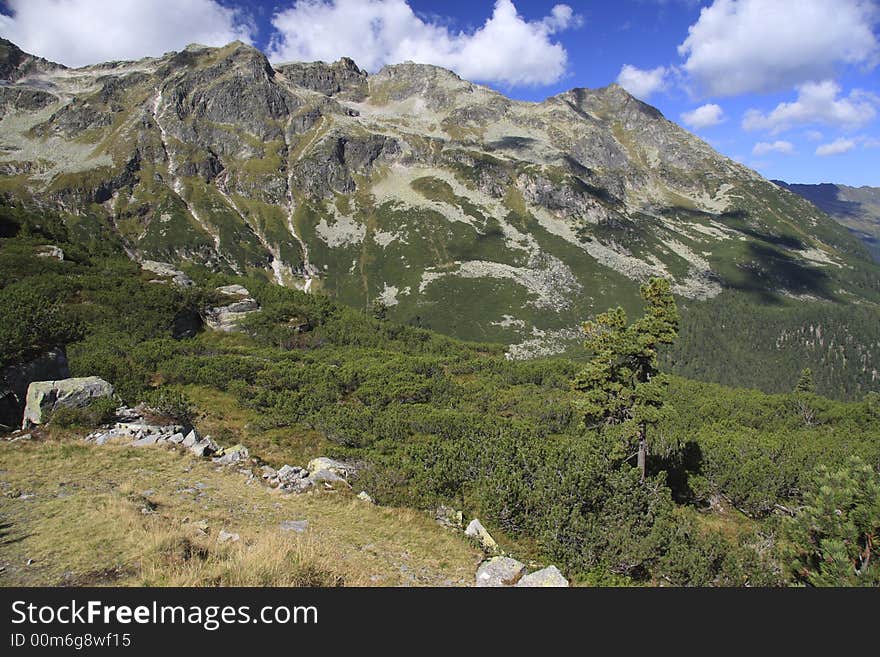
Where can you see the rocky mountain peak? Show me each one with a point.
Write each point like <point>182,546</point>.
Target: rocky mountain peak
<point>341,77</point>
<point>16,64</point>
<point>410,185</point>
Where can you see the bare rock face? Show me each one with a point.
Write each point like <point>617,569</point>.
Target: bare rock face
<point>341,77</point>
<point>45,397</point>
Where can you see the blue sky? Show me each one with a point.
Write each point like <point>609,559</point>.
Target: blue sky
<point>788,87</point>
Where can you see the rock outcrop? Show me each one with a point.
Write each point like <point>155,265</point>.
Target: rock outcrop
<point>228,318</point>
<point>45,397</point>
<point>170,271</point>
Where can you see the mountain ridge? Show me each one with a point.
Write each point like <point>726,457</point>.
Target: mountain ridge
<point>857,208</point>
<point>451,205</point>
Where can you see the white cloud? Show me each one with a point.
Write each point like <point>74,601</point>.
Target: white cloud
<point>643,83</point>
<point>817,102</point>
<point>836,147</point>
<point>871,142</point>
<point>506,49</point>
<point>765,148</point>
<point>80,32</point>
<point>813,135</point>
<point>742,46</point>
<point>704,116</point>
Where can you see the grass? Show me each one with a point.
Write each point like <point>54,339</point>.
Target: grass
<point>117,515</point>
<point>222,417</point>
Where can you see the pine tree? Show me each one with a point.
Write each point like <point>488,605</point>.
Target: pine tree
<point>805,381</point>
<point>623,392</point>
<point>834,537</point>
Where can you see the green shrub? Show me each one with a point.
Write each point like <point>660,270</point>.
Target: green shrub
<point>172,404</point>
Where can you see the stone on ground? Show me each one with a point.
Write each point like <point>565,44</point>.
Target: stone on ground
<point>500,571</point>
<point>476,531</point>
<point>549,576</point>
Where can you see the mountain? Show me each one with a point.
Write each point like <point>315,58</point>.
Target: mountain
<point>857,208</point>
<point>455,207</point>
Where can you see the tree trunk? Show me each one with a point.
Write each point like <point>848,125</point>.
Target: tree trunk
<point>643,454</point>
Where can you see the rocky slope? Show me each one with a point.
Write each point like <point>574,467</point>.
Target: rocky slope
<point>454,206</point>
<point>857,208</point>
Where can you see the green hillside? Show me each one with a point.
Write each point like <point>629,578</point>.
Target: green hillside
<point>438,421</point>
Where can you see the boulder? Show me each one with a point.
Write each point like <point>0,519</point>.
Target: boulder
<point>327,477</point>
<point>500,571</point>
<point>365,497</point>
<point>50,251</point>
<point>291,473</point>
<point>476,531</point>
<point>232,455</point>
<point>227,318</point>
<point>45,397</point>
<point>234,290</point>
<point>164,269</point>
<point>336,467</point>
<point>549,576</point>
<point>149,439</point>
<point>14,382</point>
<point>191,439</point>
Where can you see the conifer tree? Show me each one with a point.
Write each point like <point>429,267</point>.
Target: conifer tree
<point>805,381</point>
<point>623,392</point>
<point>833,539</point>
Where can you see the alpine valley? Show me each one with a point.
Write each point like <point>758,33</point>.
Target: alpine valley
<point>444,203</point>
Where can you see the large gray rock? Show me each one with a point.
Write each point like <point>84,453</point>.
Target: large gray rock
<point>50,251</point>
<point>164,269</point>
<point>228,318</point>
<point>549,576</point>
<point>45,397</point>
<point>500,571</point>
<point>336,467</point>
<point>476,531</point>
<point>327,477</point>
<point>234,290</point>
<point>14,382</point>
<point>232,455</point>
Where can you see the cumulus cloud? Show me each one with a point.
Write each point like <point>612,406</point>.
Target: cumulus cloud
<point>743,46</point>
<point>836,147</point>
<point>813,135</point>
<point>81,32</point>
<point>704,116</point>
<point>506,49</point>
<point>817,102</point>
<point>643,83</point>
<point>765,148</point>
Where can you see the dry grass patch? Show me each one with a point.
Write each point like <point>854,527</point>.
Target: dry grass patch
<point>88,515</point>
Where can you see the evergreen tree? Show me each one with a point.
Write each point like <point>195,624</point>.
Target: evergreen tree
<point>834,538</point>
<point>622,391</point>
<point>805,381</point>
